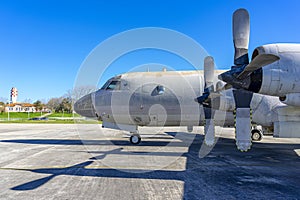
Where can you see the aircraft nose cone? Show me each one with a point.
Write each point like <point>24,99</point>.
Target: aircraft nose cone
<point>84,106</point>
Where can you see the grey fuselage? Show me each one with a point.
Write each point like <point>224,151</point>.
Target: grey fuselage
<point>165,99</point>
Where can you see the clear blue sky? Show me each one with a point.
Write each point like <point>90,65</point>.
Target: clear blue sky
<point>43,43</point>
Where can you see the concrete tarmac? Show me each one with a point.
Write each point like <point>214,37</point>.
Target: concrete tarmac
<point>76,161</point>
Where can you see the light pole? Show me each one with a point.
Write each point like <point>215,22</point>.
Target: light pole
<point>8,111</point>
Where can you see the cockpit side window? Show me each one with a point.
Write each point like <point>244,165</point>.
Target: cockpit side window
<point>114,85</point>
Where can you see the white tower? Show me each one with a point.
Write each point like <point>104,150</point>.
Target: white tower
<point>13,95</point>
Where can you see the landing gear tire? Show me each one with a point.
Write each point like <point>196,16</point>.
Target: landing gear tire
<point>135,139</point>
<point>256,135</point>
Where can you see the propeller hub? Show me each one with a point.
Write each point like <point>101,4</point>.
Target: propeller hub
<point>230,77</point>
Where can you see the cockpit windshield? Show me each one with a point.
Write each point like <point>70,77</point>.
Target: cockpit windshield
<point>114,85</point>
<point>111,85</point>
<point>105,85</point>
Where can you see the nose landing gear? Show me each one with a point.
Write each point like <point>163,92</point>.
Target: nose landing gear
<point>256,135</point>
<point>135,138</point>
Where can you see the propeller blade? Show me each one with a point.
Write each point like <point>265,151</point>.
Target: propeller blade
<point>241,33</point>
<point>208,101</point>
<point>209,128</point>
<point>209,113</point>
<point>209,71</point>
<point>259,61</point>
<point>243,119</point>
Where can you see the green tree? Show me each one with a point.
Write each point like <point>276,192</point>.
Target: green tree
<point>66,105</point>
<point>60,104</point>
<point>2,107</point>
<point>38,105</point>
<point>54,104</point>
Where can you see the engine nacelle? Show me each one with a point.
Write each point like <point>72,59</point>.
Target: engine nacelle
<point>291,99</point>
<point>279,78</point>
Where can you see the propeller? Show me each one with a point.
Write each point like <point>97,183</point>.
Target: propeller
<point>239,77</point>
<point>241,34</point>
<point>208,100</point>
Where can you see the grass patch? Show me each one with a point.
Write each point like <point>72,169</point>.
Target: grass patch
<point>50,122</point>
<point>19,115</point>
<point>54,118</point>
<point>38,122</point>
<point>64,115</point>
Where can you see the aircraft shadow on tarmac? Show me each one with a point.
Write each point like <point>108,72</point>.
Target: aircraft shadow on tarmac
<point>225,171</point>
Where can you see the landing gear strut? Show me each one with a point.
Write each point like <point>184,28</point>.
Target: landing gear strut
<point>135,138</point>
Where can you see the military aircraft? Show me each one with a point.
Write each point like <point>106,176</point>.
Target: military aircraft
<point>171,98</point>
<point>193,98</point>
